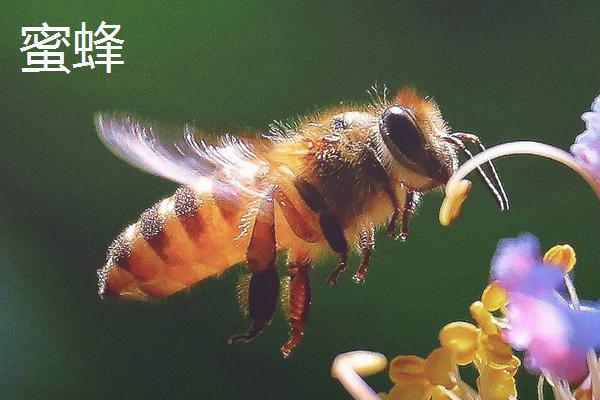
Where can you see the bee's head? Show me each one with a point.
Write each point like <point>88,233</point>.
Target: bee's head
<point>412,147</point>
<point>412,128</point>
<point>418,139</point>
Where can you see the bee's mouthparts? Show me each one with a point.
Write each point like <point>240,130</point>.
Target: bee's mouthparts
<point>493,184</point>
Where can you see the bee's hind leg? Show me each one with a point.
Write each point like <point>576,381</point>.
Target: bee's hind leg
<point>299,302</point>
<point>263,286</point>
<point>366,246</point>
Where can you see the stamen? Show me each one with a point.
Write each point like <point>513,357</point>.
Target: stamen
<point>531,148</point>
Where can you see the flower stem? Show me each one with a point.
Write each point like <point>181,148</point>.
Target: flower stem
<point>592,361</point>
<point>465,387</point>
<point>572,292</point>
<point>594,373</point>
<point>349,368</point>
<point>506,149</point>
<point>540,387</point>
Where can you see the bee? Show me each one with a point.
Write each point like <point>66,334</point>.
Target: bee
<point>321,185</point>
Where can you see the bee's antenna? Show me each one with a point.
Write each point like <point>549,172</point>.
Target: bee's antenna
<point>500,199</point>
<point>469,137</point>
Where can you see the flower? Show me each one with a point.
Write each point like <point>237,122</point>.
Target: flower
<point>518,267</point>
<point>552,340</point>
<point>554,335</point>
<point>531,305</point>
<point>418,378</point>
<point>437,377</point>
<point>586,148</point>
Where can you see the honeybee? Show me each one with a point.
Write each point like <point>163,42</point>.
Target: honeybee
<point>322,184</point>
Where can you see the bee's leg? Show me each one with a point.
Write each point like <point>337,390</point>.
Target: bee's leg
<point>329,223</point>
<point>367,246</point>
<point>410,204</point>
<point>334,235</point>
<point>299,302</point>
<point>403,215</point>
<point>263,289</point>
<point>295,220</point>
<point>391,229</point>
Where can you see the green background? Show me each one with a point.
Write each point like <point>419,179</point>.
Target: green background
<point>505,70</point>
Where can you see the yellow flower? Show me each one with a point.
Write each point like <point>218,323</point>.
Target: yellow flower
<point>462,343</point>
<point>493,351</point>
<point>494,297</point>
<point>496,384</point>
<point>438,367</point>
<point>461,338</point>
<point>407,368</point>
<point>416,390</point>
<point>416,378</point>
<point>484,318</point>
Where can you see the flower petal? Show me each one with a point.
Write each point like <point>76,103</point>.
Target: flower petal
<point>438,367</point>
<point>461,338</point>
<point>494,296</point>
<point>407,368</point>
<point>514,258</point>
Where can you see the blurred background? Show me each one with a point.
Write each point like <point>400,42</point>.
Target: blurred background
<point>506,70</point>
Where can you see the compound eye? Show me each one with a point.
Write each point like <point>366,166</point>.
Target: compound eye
<point>399,128</point>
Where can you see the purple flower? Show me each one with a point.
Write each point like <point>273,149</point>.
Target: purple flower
<point>587,145</point>
<point>518,266</point>
<point>554,336</point>
<point>514,259</point>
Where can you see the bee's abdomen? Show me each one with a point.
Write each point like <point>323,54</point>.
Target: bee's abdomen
<point>174,244</point>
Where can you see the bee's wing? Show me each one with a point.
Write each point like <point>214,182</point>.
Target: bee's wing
<point>184,160</point>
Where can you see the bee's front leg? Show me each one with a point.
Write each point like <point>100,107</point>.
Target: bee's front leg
<point>263,289</point>
<point>366,246</point>
<point>410,203</point>
<point>391,229</point>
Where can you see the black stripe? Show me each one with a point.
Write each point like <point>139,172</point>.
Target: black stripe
<point>185,202</point>
<point>151,224</point>
<point>152,228</point>
<point>118,250</point>
<point>186,209</point>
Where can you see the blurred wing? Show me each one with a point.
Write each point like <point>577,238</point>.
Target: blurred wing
<point>185,160</point>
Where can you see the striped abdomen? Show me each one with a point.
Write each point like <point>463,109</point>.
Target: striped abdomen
<point>176,243</point>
